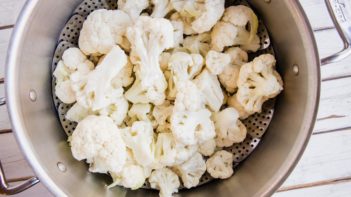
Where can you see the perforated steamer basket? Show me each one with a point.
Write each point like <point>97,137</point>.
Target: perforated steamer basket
<point>41,137</point>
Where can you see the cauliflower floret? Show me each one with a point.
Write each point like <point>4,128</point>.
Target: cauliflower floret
<point>171,90</point>
<point>73,64</point>
<point>198,44</point>
<point>240,16</point>
<point>211,89</point>
<point>117,110</point>
<point>161,8</point>
<point>124,78</point>
<point>102,30</point>
<point>191,170</point>
<point>133,7</point>
<point>124,178</point>
<point>149,37</point>
<point>233,102</point>
<point>164,59</point>
<point>229,128</point>
<point>77,113</point>
<point>188,97</point>
<point>184,152</point>
<point>140,111</point>
<point>178,32</point>
<point>223,35</point>
<point>208,147</point>
<point>72,57</point>
<point>184,65</point>
<point>216,62</point>
<point>97,139</point>
<point>191,127</point>
<point>229,76</point>
<point>64,92</point>
<point>162,113</point>
<point>166,151</point>
<point>258,81</point>
<point>164,180</point>
<point>140,139</point>
<point>220,165</point>
<point>97,93</point>
<point>200,15</point>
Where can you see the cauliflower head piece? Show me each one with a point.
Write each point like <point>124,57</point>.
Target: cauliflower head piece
<point>220,165</point>
<point>149,37</point>
<point>166,151</point>
<point>97,139</point>
<point>161,8</point>
<point>133,7</point>
<point>185,65</point>
<point>191,170</point>
<point>117,110</point>
<point>208,147</point>
<point>223,35</point>
<point>201,15</point>
<point>198,44</point>
<point>192,127</point>
<point>96,93</point>
<point>258,81</point>
<point>211,89</point>
<point>102,30</point>
<point>230,74</point>
<point>164,180</point>
<point>229,128</point>
<point>216,62</point>
<point>140,139</point>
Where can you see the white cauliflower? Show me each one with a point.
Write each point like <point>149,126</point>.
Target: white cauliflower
<point>191,127</point>
<point>102,30</point>
<point>166,151</point>
<point>229,76</point>
<point>162,114</point>
<point>164,59</point>
<point>229,128</point>
<point>184,152</point>
<point>97,139</point>
<point>258,81</point>
<point>216,62</point>
<point>117,110</point>
<point>133,7</point>
<point>220,165</point>
<point>191,170</point>
<point>123,178</point>
<point>164,180</point>
<point>149,37</point>
<point>97,93</point>
<point>140,111</point>
<point>211,89</point>
<point>178,32</point>
<point>200,15</point>
<point>208,147</point>
<point>240,16</point>
<point>171,90</point>
<point>161,8</point>
<point>77,113</point>
<point>73,64</point>
<point>124,78</point>
<point>223,35</point>
<point>140,139</point>
<point>185,65</point>
<point>198,43</point>
<point>233,102</point>
<point>188,97</point>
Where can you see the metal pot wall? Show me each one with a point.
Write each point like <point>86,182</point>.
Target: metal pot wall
<point>41,138</point>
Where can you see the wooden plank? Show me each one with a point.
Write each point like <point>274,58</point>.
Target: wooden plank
<point>9,10</point>
<point>339,189</point>
<point>317,13</point>
<point>335,105</point>
<point>38,190</point>
<point>327,157</point>
<point>15,166</point>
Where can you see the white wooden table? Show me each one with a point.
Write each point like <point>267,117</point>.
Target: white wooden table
<point>325,168</point>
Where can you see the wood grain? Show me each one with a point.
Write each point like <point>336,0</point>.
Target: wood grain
<point>339,189</point>
<point>9,10</point>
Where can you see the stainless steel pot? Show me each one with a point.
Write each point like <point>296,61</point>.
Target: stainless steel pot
<point>44,143</point>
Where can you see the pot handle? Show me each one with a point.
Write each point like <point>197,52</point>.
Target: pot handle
<point>4,187</point>
<point>340,12</point>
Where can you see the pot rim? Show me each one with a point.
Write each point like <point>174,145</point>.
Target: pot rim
<point>14,106</point>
